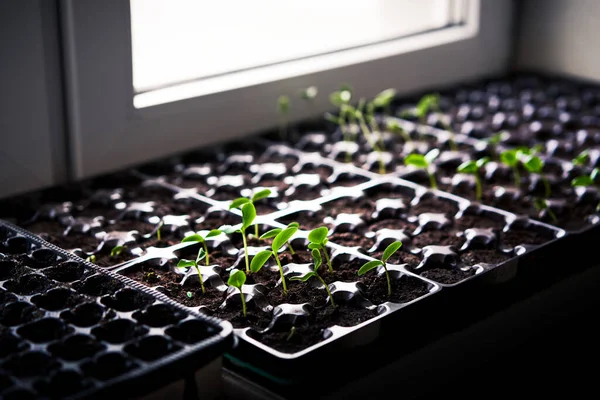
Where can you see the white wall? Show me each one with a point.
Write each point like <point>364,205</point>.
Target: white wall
<point>560,36</point>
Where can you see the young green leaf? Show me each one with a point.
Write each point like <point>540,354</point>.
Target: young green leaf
<point>227,229</point>
<point>468,167</point>
<point>314,246</point>
<point>270,234</point>
<point>293,225</point>
<point>309,93</point>
<point>259,260</point>
<point>186,263</point>
<point>189,295</point>
<point>304,277</point>
<point>384,98</point>
<point>116,251</point>
<point>369,266</point>
<point>584,180</point>
<point>195,238</point>
<point>533,164</point>
<point>390,250</point>
<point>214,232</point>
<point>416,160</point>
<point>237,278</point>
<point>316,255</point>
<point>283,104</point>
<point>498,137</point>
<point>248,215</point>
<point>432,155</point>
<point>237,203</point>
<point>332,118</point>
<point>282,238</point>
<point>263,194</point>
<point>318,235</point>
<point>91,258</point>
<point>429,102</point>
<point>582,158</point>
<point>482,161</point>
<point>594,174</point>
<point>509,157</point>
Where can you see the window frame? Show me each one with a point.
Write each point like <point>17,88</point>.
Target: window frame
<point>108,133</point>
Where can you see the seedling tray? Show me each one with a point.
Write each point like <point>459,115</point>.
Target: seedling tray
<point>70,329</point>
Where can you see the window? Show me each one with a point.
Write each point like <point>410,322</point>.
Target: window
<point>175,43</point>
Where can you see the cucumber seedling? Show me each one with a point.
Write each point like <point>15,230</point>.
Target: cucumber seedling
<point>317,241</point>
<point>428,103</point>
<point>237,278</point>
<point>383,100</point>
<point>183,263</point>
<point>240,201</point>
<point>248,215</point>
<point>472,168</point>
<point>198,238</point>
<point>424,162</point>
<point>283,108</point>
<point>387,253</point>
<point>316,254</point>
<point>274,232</point>
<point>116,251</point>
<point>510,158</point>
<point>259,260</point>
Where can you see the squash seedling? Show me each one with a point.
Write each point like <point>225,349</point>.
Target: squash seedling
<point>274,232</point>
<point>534,164</point>
<point>431,102</point>
<point>248,215</point>
<point>316,254</point>
<point>472,168</point>
<point>197,238</point>
<point>237,278</point>
<point>394,127</point>
<point>318,240</point>
<point>283,108</point>
<point>424,162</point>
<point>240,201</point>
<point>279,241</point>
<point>116,251</point>
<point>542,204</point>
<point>183,263</point>
<point>387,253</point>
<point>510,158</point>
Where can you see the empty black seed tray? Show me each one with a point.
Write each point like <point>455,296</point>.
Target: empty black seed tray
<point>70,329</point>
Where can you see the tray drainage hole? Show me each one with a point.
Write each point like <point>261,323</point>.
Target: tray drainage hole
<point>29,284</point>
<point>191,331</point>
<point>18,313</point>
<point>109,365</point>
<point>152,348</point>
<point>127,300</point>
<point>99,285</point>
<point>76,347</point>
<point>44,330</point>
<point>119,331</point>
<point>62,384</point>
<point>68,271</point>
<point>17,245</point>
<point>7,269</point>
<point>33,363</point>
<point>159,315</point>
<point>42,258</point>
<point>85,315</point>
<point>5,381</point>
<point>10,344</point>
<point>55,299</point>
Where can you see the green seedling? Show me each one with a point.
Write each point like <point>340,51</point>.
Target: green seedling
<point>472,167</point>
<point>542,204</point>
<point>274,232</point>
<point>316,254</point>
<point>510,158</point>
<point>183,263</point>
<point>394,127</point>
<point>582,158</point>
<point>424,162</point>
<point>279,241</point>
<point>198,238</point>
<point>587,180</point>
<point>116,251</point>
<point>318,241</point>
<point>384,99</point>
<point>387,253</point>
<point>91,259</point>
<point>189,295</point>
<point>341,99</point>
<point>248,215</point>
<point>357,114</point>
<point>428,103</point>
<point>309,93</point>
<point>283,108</point>
<point>237,279</point>
<point>534,164</point>
<point>158,228</point>
<point>240,201</point>
<point>494,140</point>
<point>291,334</point>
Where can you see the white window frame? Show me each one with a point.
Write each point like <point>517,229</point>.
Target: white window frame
<point>107,132</point>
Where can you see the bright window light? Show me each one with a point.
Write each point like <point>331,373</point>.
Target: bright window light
<point>179,41</point>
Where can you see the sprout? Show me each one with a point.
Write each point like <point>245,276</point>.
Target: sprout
<point>541,205</point>
<point>248,215</point>
<point>318,239</point>
<point>116,251</point>
<point>360,117</point>
<point>582,158</point>
<point>431,102</point>
<point>237,279</point>
<point>494,140</point>
<point>472,167</point>
<point>341,99</point>
<point>183,263</point>
<point>189,295</point>
<point>510,158</point>
<point>394,127</point>
<point>387,253</point>
<point>274,232</point>
<point>586,180</point>
<point>534,164</point>
<point>384,99</point>
<point>279,241</point>
<point>424,162</point>
<point>237,203</point>
<point>309,93</point>
<point>283,108</point>
<point>91,259</point>
<point>316,254</point>
<point>158,228</point>
<point>198,238</point>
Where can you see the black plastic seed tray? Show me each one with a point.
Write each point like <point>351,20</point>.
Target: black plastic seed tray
<point>70,329</point>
